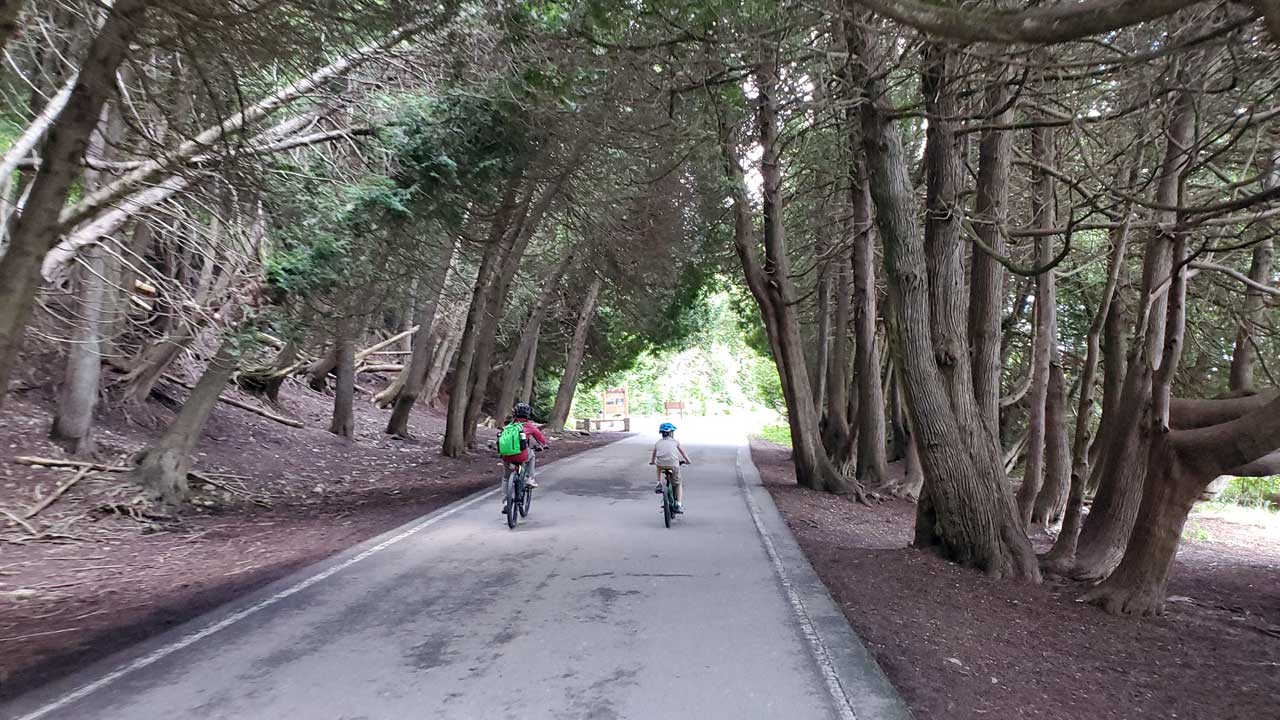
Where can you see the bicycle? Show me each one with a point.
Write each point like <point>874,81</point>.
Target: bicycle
<point>669,495</point>
<point>520,496</point>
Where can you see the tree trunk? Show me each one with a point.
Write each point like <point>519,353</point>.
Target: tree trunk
<point>527,223</point>
<point>1045,341</point>
<point>987,292</point>
<point>1123,468</point>
<point>344,421</point>
<point>36,228</point>
<point>1061,557</point>
<point>414,375</point>
<point>1052,499</point>
<point>141,380</point>
<point>455,436</point>
<point>873,465</point>
<point>822,340</point>
<point>835,436</point>
<point>573,364</point>
<point>163,466</point>
<point>975,521</point>
<point>1181,464</point>
<point>445,354</point>
<point>1115,350</point>
<point>73,420</point>
<point>1251,316</point>
<point>530,367</point>
<point>529,335</point>
<point>73,423</point>
<point>773,289</point>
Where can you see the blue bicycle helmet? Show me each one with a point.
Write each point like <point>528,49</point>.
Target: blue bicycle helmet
<point>666,427</point>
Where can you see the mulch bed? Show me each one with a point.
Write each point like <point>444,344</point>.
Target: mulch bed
<point>959,645</point>
<point>119,578</point>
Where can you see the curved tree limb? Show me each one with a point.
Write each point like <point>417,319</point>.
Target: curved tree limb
<point>1067,21</point>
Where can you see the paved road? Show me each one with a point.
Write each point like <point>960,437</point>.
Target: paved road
<point>589,609</point>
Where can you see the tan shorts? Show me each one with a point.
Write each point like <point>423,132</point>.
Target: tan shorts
<point>675,472</point>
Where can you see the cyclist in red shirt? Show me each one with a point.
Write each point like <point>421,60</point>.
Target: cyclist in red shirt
<point>521,414</point>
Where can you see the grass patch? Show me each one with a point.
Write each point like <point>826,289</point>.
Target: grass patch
<point>778,434</point>
<point>1197,532</point>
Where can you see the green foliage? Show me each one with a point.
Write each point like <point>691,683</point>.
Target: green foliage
<point>1252,492</point>
<point>779,434</point>
<point>449,151</point>
<point>712,372</point>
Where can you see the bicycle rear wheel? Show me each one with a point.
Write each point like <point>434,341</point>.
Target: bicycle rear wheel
<point>667,509</point>
<point>513,507</point>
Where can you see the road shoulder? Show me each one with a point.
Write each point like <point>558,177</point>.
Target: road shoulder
<point>849,668</point>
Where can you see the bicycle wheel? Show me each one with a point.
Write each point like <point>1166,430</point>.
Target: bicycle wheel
<point>667,510</point>
<point>513,507</point>
<point>528,500</point>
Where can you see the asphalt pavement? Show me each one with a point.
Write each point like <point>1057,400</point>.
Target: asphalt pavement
<point>589,609</point>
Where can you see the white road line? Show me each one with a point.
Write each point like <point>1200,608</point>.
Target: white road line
<point>195,637</point>
<point>811,636</point>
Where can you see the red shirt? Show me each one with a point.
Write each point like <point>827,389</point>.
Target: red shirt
<point>533,432</point>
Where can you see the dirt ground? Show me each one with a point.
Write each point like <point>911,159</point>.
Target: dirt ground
<point>107,573</point>
<point>958,645</point>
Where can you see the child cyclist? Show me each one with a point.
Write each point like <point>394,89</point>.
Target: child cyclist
<point>668,454</point>
<point>530,434</point>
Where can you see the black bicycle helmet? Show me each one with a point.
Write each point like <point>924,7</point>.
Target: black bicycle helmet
<point>522,411</point>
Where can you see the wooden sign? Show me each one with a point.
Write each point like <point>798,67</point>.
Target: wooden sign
<point>614,402</point>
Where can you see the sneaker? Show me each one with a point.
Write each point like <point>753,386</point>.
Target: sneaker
<point>504,507</point>
<point>531,483</point>
<point>679,508</point>
<point>657,490</point>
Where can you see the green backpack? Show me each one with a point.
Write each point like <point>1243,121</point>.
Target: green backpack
<point>511,441</point>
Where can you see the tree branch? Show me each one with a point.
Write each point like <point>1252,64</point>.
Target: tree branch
<point>1068,21</point>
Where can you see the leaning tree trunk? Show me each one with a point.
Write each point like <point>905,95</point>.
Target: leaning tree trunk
<point>528,341</point>
<point>1123,467</point>
<point>414,375</point>
<point>344,420</point>
<point>1180,465</point>
<point>526,225</point>
<point>975,519</point>
<point>774,290</point>
<point>36,229</point>
<point>1062,556</point>
<point>573,364</point>
<point>987,292</point>
<point>318,370</point>
<point>163,466</point>
<point>1044,344</point>
<point>1251,316</point>
<point>455,436</point>
<point>154,361</point>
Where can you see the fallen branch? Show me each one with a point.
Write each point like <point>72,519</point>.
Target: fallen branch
<point>34,461</point>
<point>360,356</point>
<point>20,521</point>
<point>206,480</point>
<point>57,493</point>
<point>389,367</point>
<point>244,406</point>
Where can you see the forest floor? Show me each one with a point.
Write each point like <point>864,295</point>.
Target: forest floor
<point>108,572</point>
<point>959,645</point>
